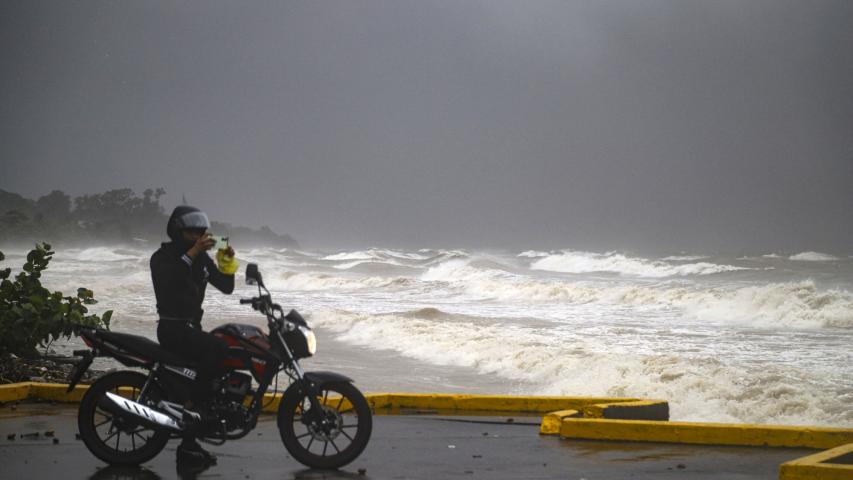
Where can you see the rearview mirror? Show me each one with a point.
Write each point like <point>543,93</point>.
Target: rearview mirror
<point>253,276</point>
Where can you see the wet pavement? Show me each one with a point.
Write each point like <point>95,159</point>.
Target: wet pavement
<point>401,447</point>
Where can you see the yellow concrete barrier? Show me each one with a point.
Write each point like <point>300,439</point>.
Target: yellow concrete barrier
<point>552,421</point>
<point>834,464</point>
<point>705,433</point>
<point>15,392</point>
<point>56,392</point>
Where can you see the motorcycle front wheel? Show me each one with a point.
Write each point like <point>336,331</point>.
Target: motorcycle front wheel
<point>331,437</point>
<point>112,436</point>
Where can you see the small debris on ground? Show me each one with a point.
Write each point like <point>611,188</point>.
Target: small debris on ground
<point>476,456</point>
<point>451,446</point>
<point>362,471</point>
<point>11,436</point>
<point>681,466</point>
<point>55,441</point>
<point>510,420</point>
<point>49,433</point>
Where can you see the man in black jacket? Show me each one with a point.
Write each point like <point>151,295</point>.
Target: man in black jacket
<point>180,272</point>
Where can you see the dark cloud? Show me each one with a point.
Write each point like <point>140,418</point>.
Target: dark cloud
<point>635,124</point>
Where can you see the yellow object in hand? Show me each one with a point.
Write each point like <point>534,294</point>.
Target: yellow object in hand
<point>227,264</point>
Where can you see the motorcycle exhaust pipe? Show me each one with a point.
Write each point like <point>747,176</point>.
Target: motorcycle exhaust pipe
<point>145,414</point>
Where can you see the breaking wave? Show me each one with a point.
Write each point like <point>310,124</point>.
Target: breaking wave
<point>786,305</point>
<point>812,257</point>
<point>791,305</point>
<point>314,281</point>
<point>684,258</point>
<point>104,254</point>
<point>588,262</point>
<point>550,364</point>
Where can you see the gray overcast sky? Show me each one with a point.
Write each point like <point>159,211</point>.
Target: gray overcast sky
<point>664,125</point>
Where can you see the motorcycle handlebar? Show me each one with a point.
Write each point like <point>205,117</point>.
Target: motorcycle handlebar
<point>244,301</point>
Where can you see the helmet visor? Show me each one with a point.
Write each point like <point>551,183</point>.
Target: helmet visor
<point>193,220</point>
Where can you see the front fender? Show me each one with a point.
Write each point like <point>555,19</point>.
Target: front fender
<point>317,379</point>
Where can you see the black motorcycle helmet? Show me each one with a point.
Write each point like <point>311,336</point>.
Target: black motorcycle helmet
<point>185,217</point>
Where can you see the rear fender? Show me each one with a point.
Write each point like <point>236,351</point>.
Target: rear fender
<point>80,368</point>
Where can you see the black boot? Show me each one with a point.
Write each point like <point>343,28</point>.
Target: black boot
<point>189,451</point>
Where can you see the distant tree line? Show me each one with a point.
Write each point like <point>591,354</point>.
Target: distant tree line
<point>114,216</point>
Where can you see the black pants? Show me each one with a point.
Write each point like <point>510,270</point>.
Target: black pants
<point>195,345</point>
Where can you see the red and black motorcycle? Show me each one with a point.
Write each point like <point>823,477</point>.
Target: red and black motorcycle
<point>127,417</point>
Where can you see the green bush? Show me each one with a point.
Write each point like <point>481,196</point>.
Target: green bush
<point>32,316</point>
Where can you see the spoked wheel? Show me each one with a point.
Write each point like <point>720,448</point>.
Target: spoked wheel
<point>115,438</point>
<point>331,437</point>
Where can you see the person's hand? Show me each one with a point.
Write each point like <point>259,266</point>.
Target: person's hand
<point>203,244</point>
<point>226,262</point>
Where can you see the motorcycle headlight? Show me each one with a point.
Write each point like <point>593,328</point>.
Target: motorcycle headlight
<point>310,339</point>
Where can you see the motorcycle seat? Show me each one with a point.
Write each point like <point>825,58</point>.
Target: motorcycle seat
<point>145,347</point>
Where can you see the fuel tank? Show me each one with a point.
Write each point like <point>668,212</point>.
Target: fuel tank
<point>249,348</point>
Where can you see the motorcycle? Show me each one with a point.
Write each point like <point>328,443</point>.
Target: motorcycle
<point>127,417</point>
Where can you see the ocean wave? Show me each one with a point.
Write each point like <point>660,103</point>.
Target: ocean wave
<point>812,257</point>
<point>375,254</point>
<point>684,258</point>
<point>461,270</point>
<point>789,305</point>
<point>698,388</point>
<point>312,282</point>
<point>533,254</point>
<point>350,256</point>
<point>588,262</point>
<point>104,254</point>
<point>775,305</point>
<point>355,263</point>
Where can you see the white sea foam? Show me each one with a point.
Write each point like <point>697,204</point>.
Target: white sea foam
<point>376,254</point>
<point>684,258</point>
<point>104,254</point>
<point>323,282</point>
<point>587,262</point>
<point>784,305</point>
<point>355,263</point>
<point>812,257</point>
<point>533,254</point>
<point>698,388</point>
<point>350,256</point>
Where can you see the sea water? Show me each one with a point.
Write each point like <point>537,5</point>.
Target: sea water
<point>759,339</point>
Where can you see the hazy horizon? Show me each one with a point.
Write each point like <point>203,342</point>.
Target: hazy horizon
<point>645,126</point>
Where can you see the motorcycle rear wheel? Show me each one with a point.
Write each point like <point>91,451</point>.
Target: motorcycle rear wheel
<point>103,429</point>
<point>329,445</point>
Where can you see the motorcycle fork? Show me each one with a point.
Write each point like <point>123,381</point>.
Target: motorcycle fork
<point>300,377</point>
